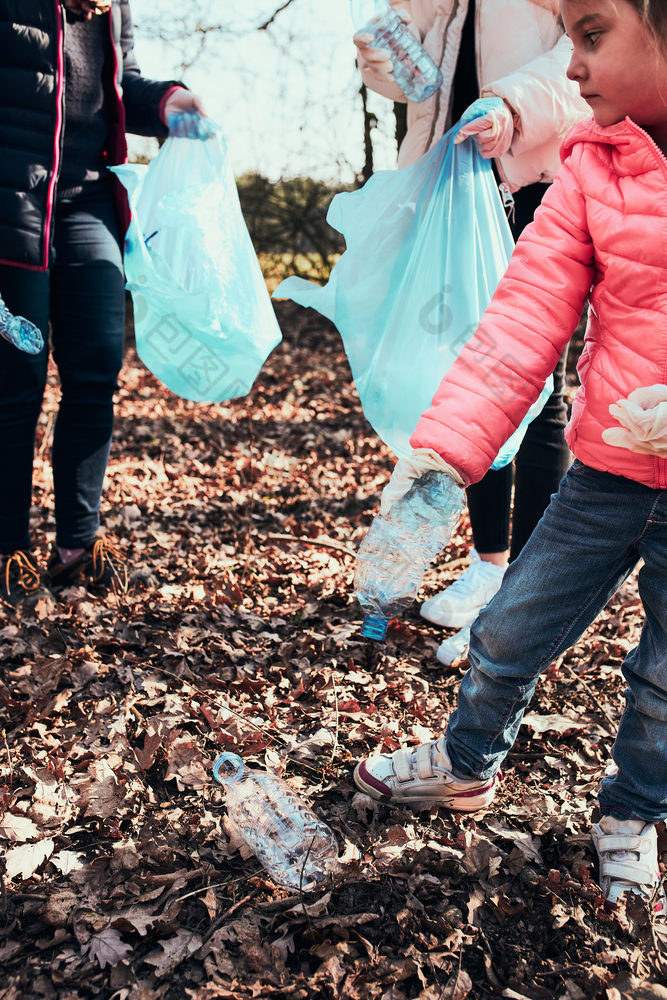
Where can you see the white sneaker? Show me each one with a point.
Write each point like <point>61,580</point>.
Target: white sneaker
<point>421,778</point>
<point>460,603</point>
<point>628,852</point>
<point>455,648</point>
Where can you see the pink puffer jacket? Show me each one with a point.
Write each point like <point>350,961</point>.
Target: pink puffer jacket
<point>603,224</point>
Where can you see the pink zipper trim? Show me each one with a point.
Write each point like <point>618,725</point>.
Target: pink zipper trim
<point>118,93</point>
<point>60,82</point>
<point>25,267</point>
<point>115,59</point>
<point>115,64</point>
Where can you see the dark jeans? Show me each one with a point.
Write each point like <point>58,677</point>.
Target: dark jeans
<point>542,459</point>
<point>593,533</point>
<point>83,296</point>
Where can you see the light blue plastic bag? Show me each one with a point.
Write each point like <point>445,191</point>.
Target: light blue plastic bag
<point>204,322</point>
<point>426,247</point>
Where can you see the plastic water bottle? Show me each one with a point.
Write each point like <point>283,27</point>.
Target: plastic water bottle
<point>19,332</point>
<point>297,849</point>
<point>414,70</point>
<point>400,545</point>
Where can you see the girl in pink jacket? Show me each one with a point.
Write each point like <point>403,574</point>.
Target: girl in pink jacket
<point>515,51</point>
<point>600,232</point>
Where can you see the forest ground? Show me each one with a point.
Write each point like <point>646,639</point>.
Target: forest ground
<point>238,630</point>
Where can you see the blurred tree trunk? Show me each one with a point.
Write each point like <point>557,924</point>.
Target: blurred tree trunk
<point>401,116</point>
<point>370,122</point>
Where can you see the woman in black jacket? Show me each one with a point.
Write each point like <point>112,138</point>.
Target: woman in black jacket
<point>70,88</point>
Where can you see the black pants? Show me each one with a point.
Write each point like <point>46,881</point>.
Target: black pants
<point>83,296</point>
<point>541,461</point>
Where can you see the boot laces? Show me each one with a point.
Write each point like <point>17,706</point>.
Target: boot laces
<point>104,551</point>
<point>27,575</point>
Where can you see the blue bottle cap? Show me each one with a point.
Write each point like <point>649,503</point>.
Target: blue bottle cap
<point>228,768</point>
<point>374,627</point>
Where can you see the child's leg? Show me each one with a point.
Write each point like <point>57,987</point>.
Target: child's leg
<point>489,505</point>
<point>581,551</point>
<point>639,789</point>
<point>634,798</point>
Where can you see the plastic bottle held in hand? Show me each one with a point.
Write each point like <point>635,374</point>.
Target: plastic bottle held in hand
<point>19,332</point>
<point>297,849</point>
<point>400,545</point>
<point>414,70</point>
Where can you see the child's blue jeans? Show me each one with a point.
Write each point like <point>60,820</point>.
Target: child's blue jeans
<point>595,530</point>
<point>83,296</point>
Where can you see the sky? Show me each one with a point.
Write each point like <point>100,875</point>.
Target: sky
<point>287,98</point>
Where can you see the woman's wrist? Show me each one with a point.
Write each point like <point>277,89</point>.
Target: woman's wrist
<point>163,103</point>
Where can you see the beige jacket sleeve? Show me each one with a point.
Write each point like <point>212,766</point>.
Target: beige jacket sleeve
<point>544,102</point>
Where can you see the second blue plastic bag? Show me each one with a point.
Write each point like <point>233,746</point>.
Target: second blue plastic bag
<point>426,247</point>
<point>204,322</point>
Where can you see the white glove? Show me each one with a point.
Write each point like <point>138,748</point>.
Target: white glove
<point>375,60</point>
<point>644,418</point>
<point>407,470</point>
<point>493,132</point>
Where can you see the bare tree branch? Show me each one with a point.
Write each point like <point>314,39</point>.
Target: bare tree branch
<point>278,10</point>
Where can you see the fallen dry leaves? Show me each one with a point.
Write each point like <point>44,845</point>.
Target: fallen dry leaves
<point>121,877</point>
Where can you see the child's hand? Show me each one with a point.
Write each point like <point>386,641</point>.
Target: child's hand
<point>643,416</point>
<point>407,470</point>
<point>493,131</point>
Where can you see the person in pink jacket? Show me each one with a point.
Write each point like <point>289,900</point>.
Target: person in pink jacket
<point>601,232</point>
<point>479,55</point>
